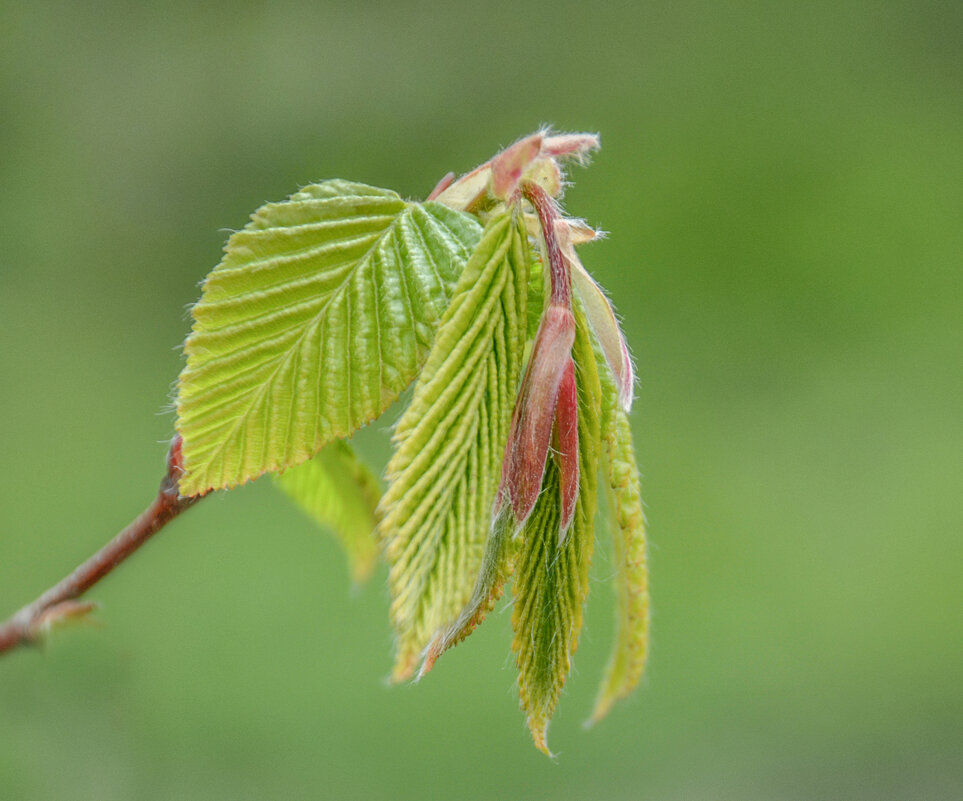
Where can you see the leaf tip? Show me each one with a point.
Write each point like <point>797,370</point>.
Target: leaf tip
<point>574,145</point>
<point>603,705</point>
<point>361,570</point>
<point>432,652</point>
<point>538,726</point>
<point>404,667</point>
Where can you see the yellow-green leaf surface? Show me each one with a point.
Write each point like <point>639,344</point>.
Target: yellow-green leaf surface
<point>450,443</point>
<point>551,579</point>
<point>320,313</point>
<point>627,520</point>
<point>497,564</point>
<point>338,491</point>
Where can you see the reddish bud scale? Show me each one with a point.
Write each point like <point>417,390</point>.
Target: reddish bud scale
<point>547,404</point>
<point>175,467</point>
<point>509,165</point>
<point>558,270</point>
<point>534,414</point>
<point>577,145</point>
<point>441,186</point>
<point>565,438</point>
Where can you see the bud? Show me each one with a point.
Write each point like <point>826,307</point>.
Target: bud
<point>63,614</point>
<point>534,414</point>
<point>534,158</point>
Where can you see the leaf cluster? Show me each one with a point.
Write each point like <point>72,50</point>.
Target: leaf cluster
<point>328,305</point>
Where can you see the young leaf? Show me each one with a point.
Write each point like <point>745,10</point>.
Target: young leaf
<point>496,567</point>
<point>450,441</point>
<point>605,326</point>
<point>320,313</point>
<point>551,577</point>
<point>339,492</point>
<point>627,521</point>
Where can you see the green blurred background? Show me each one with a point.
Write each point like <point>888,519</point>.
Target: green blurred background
<point>783,184</point>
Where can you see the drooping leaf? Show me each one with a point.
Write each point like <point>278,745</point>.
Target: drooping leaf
<point>450,442</point>
<point>627,521</point>
<point>320,313</point>
<point>339,492</point>
<point>551,577</point>
<point>543,616</point>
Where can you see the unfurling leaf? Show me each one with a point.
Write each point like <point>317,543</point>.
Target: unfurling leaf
<point>321,312</point>
<point>551,576</point>
<point>627,522</point>
<point>450,442</point>
<point>338,491</point>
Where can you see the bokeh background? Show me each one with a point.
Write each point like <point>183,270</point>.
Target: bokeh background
<point>783,184</point>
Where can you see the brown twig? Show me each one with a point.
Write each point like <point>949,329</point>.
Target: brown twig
<point>26,626</point>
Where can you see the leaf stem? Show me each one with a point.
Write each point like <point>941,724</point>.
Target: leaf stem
<point>27,626</point>
<point>548,216</point>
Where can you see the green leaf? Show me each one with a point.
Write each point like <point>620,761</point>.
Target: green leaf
<point>551,578</point>
<point>338,491</point>
<point>450,442</point>
<point>627,521</point>
<point>321,312</point>
<point>496,568</point>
